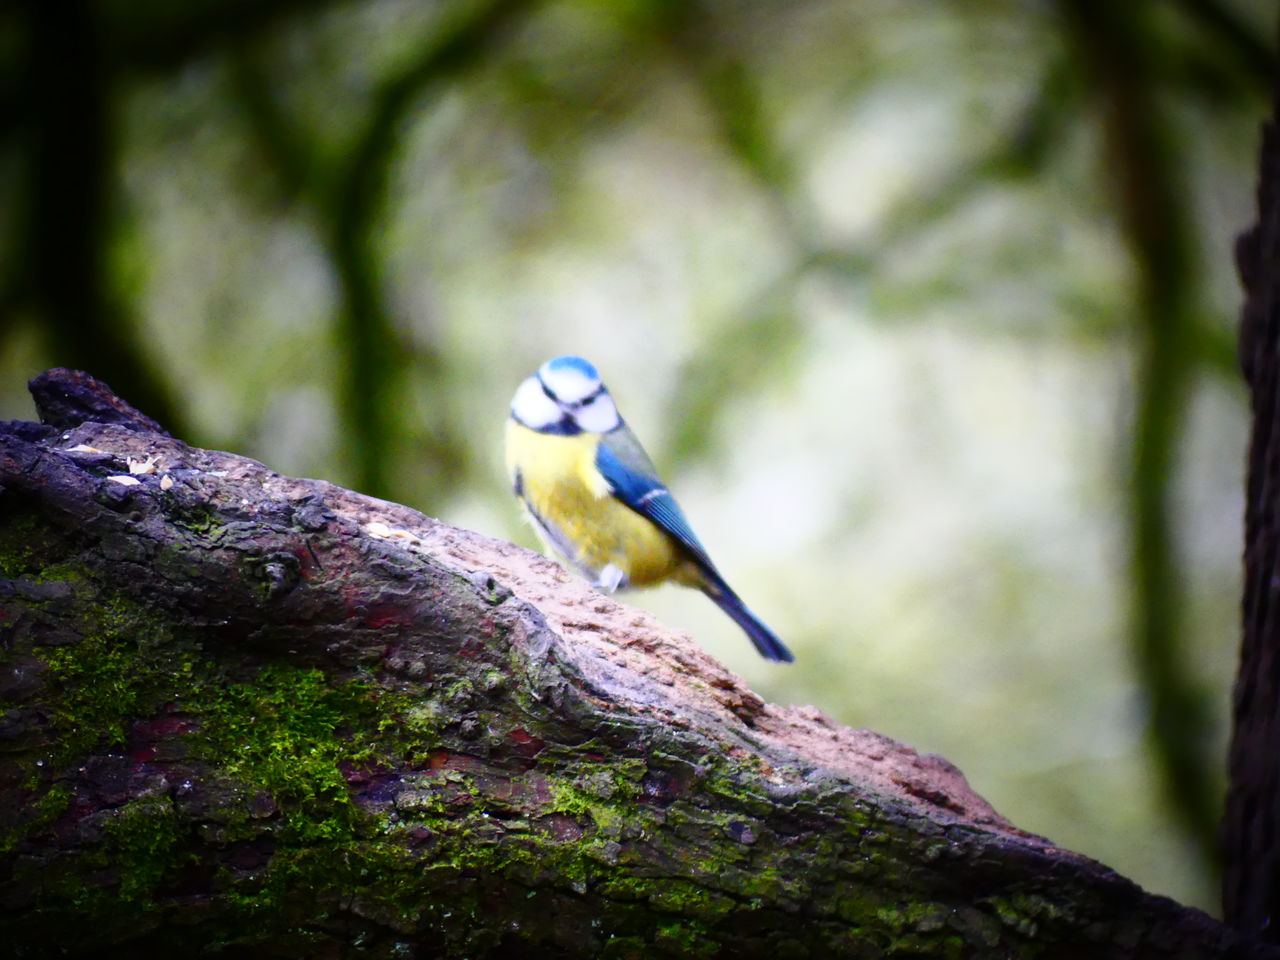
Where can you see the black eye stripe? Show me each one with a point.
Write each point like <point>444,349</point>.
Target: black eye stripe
<point>575,405</point>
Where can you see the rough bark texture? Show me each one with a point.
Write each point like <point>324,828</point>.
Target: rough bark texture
<point>256,715</point>
<point>1251,876</point>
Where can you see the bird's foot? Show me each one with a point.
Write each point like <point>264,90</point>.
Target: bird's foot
<point>611,578</point>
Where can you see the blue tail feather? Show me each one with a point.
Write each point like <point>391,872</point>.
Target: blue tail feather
<point>765,640</point>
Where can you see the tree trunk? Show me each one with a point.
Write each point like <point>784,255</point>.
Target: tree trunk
<point>1251,877</point>
<point>251,714</point>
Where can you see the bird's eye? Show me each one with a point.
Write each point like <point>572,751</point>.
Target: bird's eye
<point>590,400</point>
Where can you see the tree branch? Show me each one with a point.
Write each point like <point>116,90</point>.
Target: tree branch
<point>254,713</point>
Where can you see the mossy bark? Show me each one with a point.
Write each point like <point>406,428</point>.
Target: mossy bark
<point>249,714</point>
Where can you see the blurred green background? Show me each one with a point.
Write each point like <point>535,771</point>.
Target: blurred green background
<point>926,310</point>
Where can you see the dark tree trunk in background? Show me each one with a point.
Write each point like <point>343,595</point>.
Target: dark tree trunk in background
<point>252,715</point>
<point>1251,882</point>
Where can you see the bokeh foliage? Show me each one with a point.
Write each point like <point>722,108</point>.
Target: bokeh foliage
<point>335,235</point>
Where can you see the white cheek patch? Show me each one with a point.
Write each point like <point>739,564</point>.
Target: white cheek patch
<point>599,416</point>
<point>534,408</point>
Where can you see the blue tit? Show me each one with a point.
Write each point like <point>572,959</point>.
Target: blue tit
<point>595,499</point>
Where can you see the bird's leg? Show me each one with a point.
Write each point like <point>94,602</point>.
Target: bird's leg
<point>610,579</point>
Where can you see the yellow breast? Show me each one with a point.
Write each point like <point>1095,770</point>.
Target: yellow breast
<point>561,486</point>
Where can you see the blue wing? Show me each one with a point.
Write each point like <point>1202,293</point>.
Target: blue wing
<point>632,478</point>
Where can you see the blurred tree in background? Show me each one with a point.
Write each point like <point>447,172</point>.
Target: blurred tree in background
<point>927,309</point>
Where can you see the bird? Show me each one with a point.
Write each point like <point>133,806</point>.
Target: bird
<point>595,500</point>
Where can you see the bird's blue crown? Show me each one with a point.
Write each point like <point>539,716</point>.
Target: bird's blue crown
<point>576,364</point>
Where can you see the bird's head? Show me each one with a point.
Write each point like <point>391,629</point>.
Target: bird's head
<point>566,397</point>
